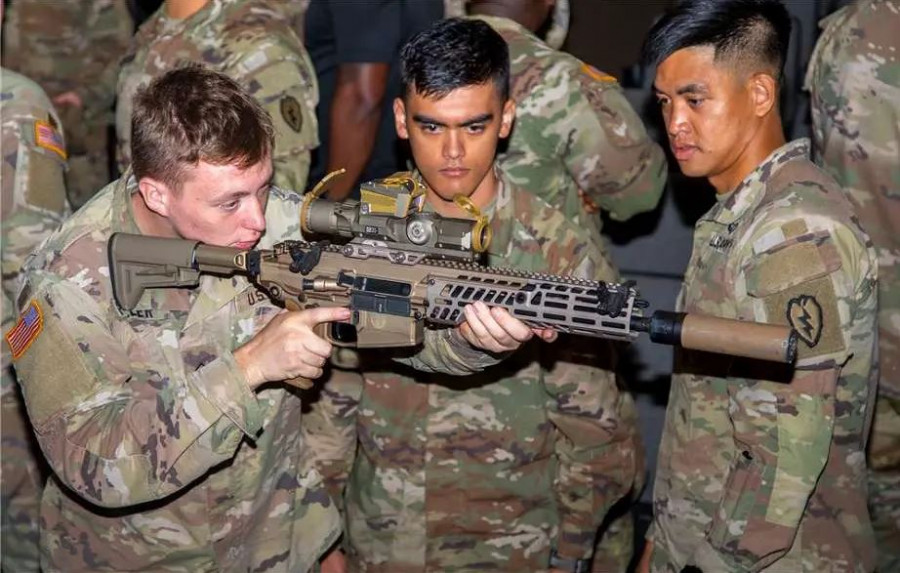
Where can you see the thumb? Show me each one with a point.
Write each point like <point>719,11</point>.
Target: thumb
<point>318,315</point>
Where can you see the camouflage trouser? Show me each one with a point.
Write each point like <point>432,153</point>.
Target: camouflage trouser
<point>21,481</point>
<point>87,143</point>
<point>884,482</point>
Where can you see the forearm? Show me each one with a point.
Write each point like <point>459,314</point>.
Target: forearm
<point>445,351</point>
<point>353,123</point>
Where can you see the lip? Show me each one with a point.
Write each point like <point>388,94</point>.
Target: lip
<point>683,152</point>
<point>245,245</point>
<point>454,172</point>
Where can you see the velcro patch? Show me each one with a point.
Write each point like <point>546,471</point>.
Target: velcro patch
<point>26,330</point>
<point>47,137</point>
<point>291,112</point>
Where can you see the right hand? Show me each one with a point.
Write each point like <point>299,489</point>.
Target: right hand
<point>288,347</point>
<point>68,98</point>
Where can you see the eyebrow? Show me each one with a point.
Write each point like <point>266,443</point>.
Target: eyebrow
<point>688,89</point>
<point>483,118</point>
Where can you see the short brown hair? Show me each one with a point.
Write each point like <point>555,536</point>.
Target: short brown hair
<point>191,114</point>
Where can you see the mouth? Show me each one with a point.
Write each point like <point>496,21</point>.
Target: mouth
<point>245,245</point>
<point>454,172</point>
<point>683,152</point>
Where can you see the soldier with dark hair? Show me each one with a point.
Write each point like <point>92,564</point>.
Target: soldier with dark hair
<point>513,469</point>
<point>761,468</point>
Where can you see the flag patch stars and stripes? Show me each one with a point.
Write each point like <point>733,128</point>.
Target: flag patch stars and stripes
<point>30,324</point>
<point>49,138</point>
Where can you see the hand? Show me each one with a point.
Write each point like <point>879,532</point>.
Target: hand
<point>68,98</point>
<point>496,330</point>
<point>288,347</point>
<point>334,562</point>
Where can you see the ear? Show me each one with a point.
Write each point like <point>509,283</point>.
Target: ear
<point>507,118</point>
<point>156,195</point>
<point>400,119</point>
<point>764,91</point>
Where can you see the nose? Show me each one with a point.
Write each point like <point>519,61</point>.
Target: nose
<point>255,215</point>
<point>453,145</point>
<point>676,120</point>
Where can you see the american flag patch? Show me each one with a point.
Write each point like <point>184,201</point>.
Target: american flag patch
<point>30,324</point>
<point>47,137</point>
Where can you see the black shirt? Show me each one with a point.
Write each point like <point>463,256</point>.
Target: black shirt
<point>363,31</point>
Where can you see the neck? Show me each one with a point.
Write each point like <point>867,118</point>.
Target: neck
<point>149,222</point>
<point>182,9</point>
<point>481,198</point>
<point>526,18</point>
<point>769,138</point>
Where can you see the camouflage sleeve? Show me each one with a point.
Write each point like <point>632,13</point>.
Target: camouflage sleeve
<point>118,420</point>
<point>329,430</point>
<point>445,351</point>
<point>595,447</point>
<point>33,189</point>
<point>608,152</point>
<point>280,76</point>
<point>815,274</point>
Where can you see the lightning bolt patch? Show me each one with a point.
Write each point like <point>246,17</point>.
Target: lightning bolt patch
<point>804,314</point>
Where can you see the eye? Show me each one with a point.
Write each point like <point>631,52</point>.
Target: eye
<point>694,101</point>
<point>476,128</point>
<point>661,101</point>
<point>230,205</point>
<point>429,127</point>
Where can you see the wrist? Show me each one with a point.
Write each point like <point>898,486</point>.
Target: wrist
<point>243,357</point>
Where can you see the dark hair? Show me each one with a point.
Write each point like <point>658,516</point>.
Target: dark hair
<point>191,114</point>
<point>752,31</point>
<point>452,54</point>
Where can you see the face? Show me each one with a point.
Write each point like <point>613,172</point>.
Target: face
<point>454,138</point>
<point>220,205</point>
<point>710,113</point>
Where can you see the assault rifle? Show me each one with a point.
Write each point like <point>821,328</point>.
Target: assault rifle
<point>404,268</point>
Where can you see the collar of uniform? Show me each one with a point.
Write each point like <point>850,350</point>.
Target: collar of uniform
<point>730,207</point>
<point>122,210</point>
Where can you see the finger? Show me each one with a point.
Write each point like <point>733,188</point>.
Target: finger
<point>546,334</point>
<point>309,372</point>
<point>512,326</point>
<point>476,333</point>
<point>316,346</point>
<point>318,315</point>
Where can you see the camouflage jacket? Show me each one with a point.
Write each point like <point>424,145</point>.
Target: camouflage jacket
<point>763,467</point>
<point>34,163</point>
<point>69,45</point>
<point>33,203</point>
<point>252,42</point>
<point>494,469</point>
<point>163,457</point>
<point>854,80</point>
<point>577,143</point>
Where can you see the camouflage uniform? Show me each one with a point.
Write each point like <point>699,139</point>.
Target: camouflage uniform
<point>163,458</point>
<point>73,45</point>
<point>250,41</point>
<point>493,470</point>
<point>854,79</point>
<point>762,466</point>
<point>577,142</point>
<point>559,20</point>
<point>33,204</point>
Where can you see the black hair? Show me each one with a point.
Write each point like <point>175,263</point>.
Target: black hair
<point>753,31</point>
<point>452,54</point>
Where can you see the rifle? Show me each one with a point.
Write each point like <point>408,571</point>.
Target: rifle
<point>404,269</point>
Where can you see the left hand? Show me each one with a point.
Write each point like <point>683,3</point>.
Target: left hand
<point>68,98</point>
<point>496,330</point>
<point>334,562</point>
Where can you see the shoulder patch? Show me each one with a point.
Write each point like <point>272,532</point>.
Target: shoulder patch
<point>47,137</point>
<point>804,315</point>
<point>291,112</point>
<point>597,75</point>
<point>26,330</point>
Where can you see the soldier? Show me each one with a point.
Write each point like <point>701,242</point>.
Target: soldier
<point>33,204</point>
<point>516,468</point>
<point>250,41</point>
<point>72,49</point>
<point>854,81</point>
<point>761,467</point>
<point>174,446</point>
